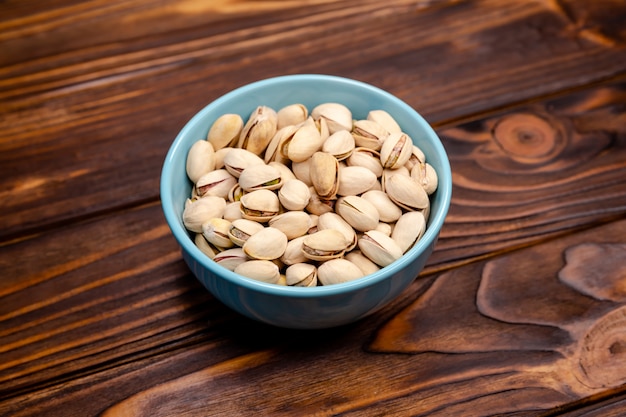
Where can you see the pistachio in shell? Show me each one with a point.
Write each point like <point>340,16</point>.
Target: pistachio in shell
<point>260,270</point>
<point>269,243</point>
<point>225,131</point>
<point>337,271</point>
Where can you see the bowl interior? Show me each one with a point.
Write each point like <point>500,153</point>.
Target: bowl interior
<point>309,90</point>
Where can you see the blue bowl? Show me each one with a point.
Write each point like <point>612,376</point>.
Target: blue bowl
<point>297,307</point>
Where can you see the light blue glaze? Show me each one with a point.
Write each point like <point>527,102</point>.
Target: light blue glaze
<point>295,307</point>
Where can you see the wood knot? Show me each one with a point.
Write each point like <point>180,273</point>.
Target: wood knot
<point>602,354</point>
<point>529,138</point>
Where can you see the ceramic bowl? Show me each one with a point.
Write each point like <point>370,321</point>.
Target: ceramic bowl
<point>297,307</point>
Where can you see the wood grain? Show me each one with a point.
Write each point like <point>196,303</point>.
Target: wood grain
<point>93,109</point>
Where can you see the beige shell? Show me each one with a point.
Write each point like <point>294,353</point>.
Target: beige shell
<point>259,205</point>
<point>235,193</point>
<point>406,193</point>
<point>362,262</point>
<point>258,177</point>
<point>409,229</point>
<point>379,248</point>
<point>337,116</point>
<point>225,131</point>
<point>385,228</point>
<point>269,243</point>
<point>358,212</point>
<point>302,144</point>
<point>292,223</point>
<point>294,194</point>
<point>285,172</point>
<point>301,275</point>
<point>200,211</point>
<point>334,221</point>
<point>302,171</point>
<point>324,245</point>
<point>324,172</point>
<point>292,114</point>
<point>216,183</point>
<point>426,176</point>
<point>337,271</point>
<point>384,119</point>
<point>369,134</point>
<point>388,211</point>
<point>396,150</point>
<point>241,229</point>
<point>260,270</point>
<point>340,144</point>
<point>200,160</point>
<point>258,130</point>
<point>417,157</point>
<point>318,205</point>
<point>230,258</point>
<point>293,252</point>
<point>367,158</point>
<point>204,246</point>
<point>215,231</point>
<point>354,180</point>
<point>236,160</point>
<point>232,211</point>
<point>273,151</point>
<point>220,154</point>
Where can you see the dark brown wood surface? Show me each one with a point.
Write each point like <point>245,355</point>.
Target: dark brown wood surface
<point>520,311</point>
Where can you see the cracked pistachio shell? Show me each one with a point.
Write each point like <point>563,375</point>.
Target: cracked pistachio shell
<point>334,221</point>
<point>388,172</point>
<point>235,193</point>
<point>294,194</point>
<point>379,248</point>
<point>409,228</point>
<point>292,114</point>
<point>258,177</point>
<point>273,151</point>
<point>200,160</point>
<point>292,223</point>
<point>388,211</point>
<point>318,205</point>
<point>406,193</point>
<point>197,212</point>
<point>259,205</point>
<point>358,212</point>
<point>204,246</point>
<point>324,172</point>
<point>233,211</point>
<point>314,221</point>
<point>426,176</point>
<point>362,262</point>
<point>367,158</point>
<point>369,134</point>
<point>302,144</point>
<point>293,252</point>
<point>260,270</point>
<point>225,131</point>
<point>396,150</point>
<point>340,144</point>
<point>337,271</point>
<point>241,229</point>
<point>385,120</point>
<point>236,160</point>
<point>258,130</point>
<point>269,243</point>
<point>417,157</point>
<point>354,180</point>
<point>336,115</point>
<point>301,275</point>
<point>216,183</point>
<point>215,231</point>
<point>302,171</point>
<point>324,245</point>
<point>230,258</point>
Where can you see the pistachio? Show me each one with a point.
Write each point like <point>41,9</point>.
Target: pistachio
<point>232,211</point>
<point>225,131</point>
<point>302,171</point>
<point>285,173</point>
<point>379,248</point>
<point>216,183</point>
<point>273,151</point>
<point>230,258</point>
<point>293,252</point>
<point>318,205</point>
<point>215,231</point>
<point>410,227</point>
<point>384,119</point>
<point>260,270</point>
<point>204,246</point>
<point>269,243</point>
<point>235,193</point>
<point>220,154</point>
<point>384,228</point>
<point>302,144</point>
<point>425,175</point>
<point>354,180</point>
<point>362,262</point>
<point>241,229</point>
<point>324,245</point>
<point>236,160</point>
<point>324,174</point>
<point>340,144</point>
<point>337,271</point>
<point>417,157</point>
<point>336,115</point>
<point>291,223</point>
<point>198,212</point>
<point>200,160</point>
<point>367,158</point>
<point>257,177</point>
<point>301,275</point>
<point>292,114</point>
<point>259,205</point>
<point>369,134</point>
<point>358,212</point>
<point>406,193</point>
<point>334,221</point>
<point>388,211</point>
<point>396,150</point>
<point>258,130</point>
<point>294,195</point>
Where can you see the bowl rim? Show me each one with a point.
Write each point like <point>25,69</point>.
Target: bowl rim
<point>186,242</point>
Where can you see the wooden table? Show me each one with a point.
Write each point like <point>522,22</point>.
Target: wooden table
<point>521,310</point>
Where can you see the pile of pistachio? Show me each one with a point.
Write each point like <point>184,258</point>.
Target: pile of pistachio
<point>300,199</point>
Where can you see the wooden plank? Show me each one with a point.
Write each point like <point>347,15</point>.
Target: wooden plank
<point>520,333</point>
<point>89,112</point>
